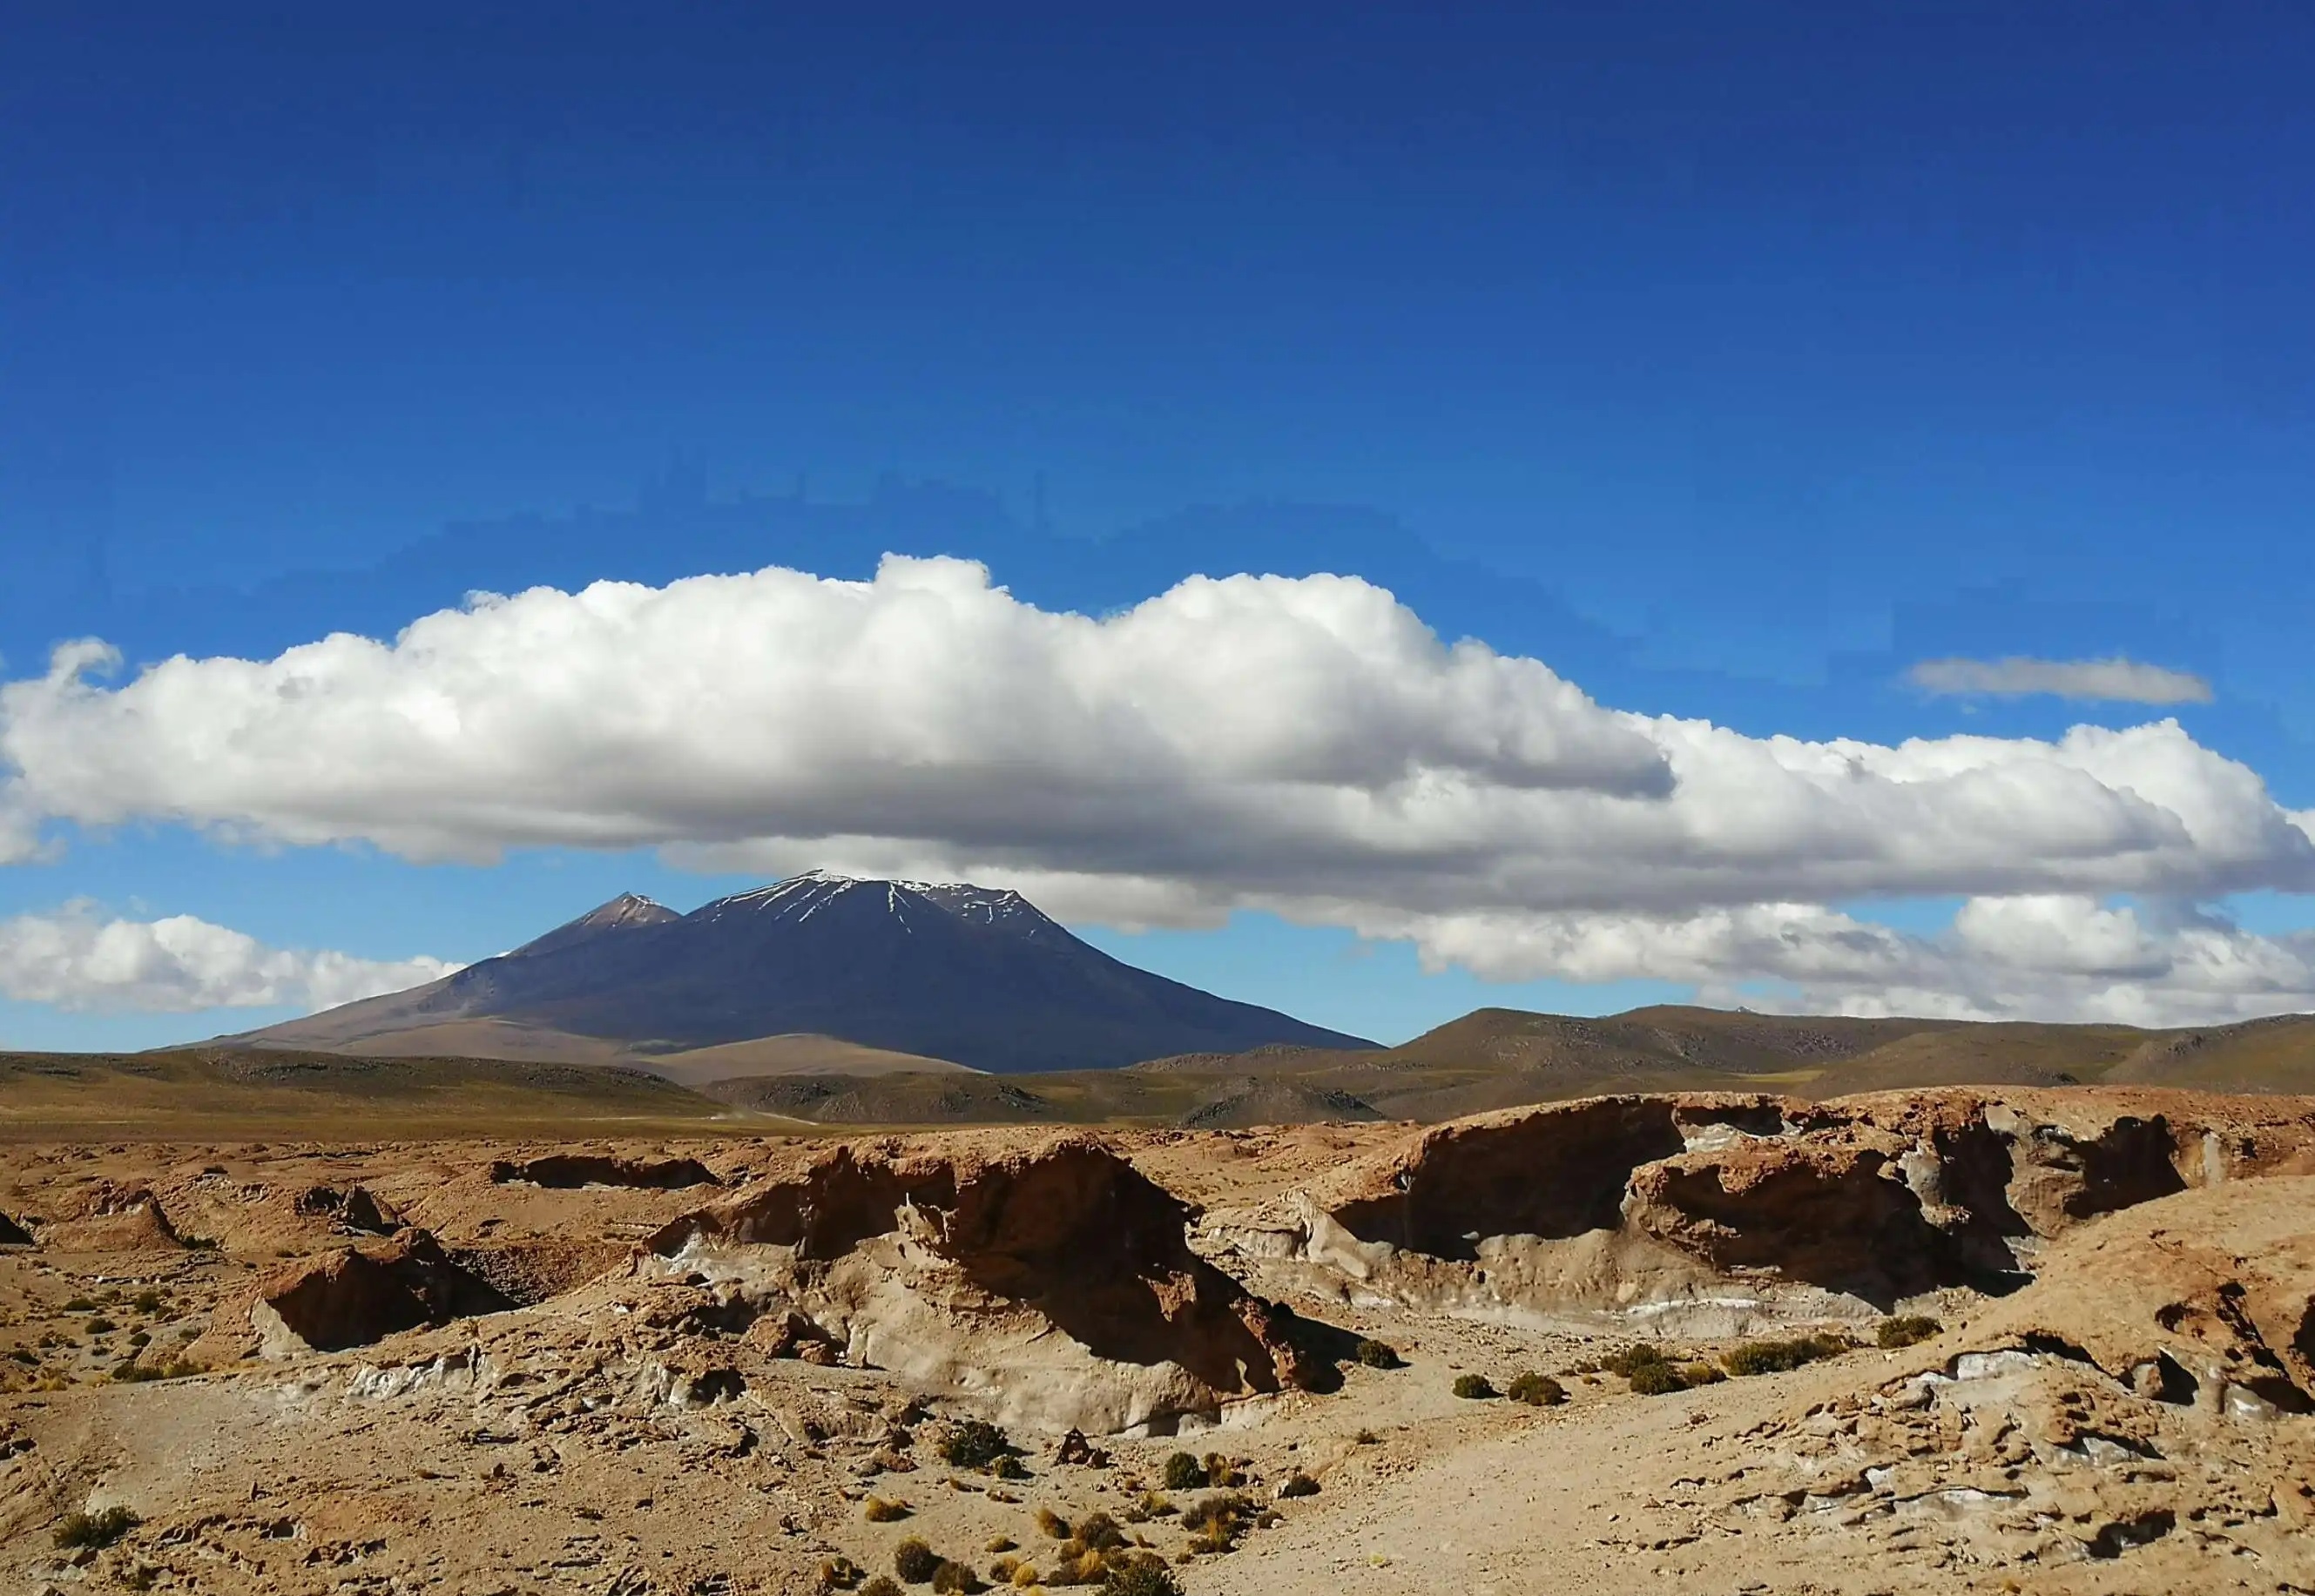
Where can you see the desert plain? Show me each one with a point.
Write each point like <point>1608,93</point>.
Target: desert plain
<point>1997,1338</point>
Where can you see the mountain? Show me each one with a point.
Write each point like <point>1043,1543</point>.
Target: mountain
<point>947,972</point>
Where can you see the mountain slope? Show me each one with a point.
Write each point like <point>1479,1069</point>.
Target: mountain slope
<point>951,972</point>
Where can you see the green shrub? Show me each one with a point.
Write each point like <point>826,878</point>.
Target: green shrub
<point>1298,1484</point>
<point>1009,1467</point>
<point>1906,1330</point>
<point>1378,1354</point>
<point>1657,1380</point>
<point>973,1444</point>
<point>95,1530</point>
<point>146,1301</point>
<point>1776,1357</point>
<point>915,1561</point>
<point>1701,1374</point>
<point>100,1325</point>
<point>1184,1472</point>
<point>1474,1386</point>
<point>1144,1576</point>
<point>1537,1390</point>
<point>79,1304</point>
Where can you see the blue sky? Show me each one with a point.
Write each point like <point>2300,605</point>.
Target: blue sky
<point>1730,364</point>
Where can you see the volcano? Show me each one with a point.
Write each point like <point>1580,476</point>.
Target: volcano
<point>951,973</point>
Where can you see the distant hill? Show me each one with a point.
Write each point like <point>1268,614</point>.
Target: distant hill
<point>210,1092</point>
<point>947,974</point>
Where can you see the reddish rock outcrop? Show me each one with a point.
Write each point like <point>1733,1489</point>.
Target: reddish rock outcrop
<point>1831,1212</point>
<point>1551,1172</point>
<point>362,1294</point>
<point>1873,1198</point>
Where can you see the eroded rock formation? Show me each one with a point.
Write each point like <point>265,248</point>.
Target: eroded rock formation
<point>114,1219</point>
<point>1056,1284</point>
<point>1652,1205</point>
<point>365,1293</point>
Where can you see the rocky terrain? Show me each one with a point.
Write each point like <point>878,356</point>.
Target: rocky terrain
<point>1994,1338</point>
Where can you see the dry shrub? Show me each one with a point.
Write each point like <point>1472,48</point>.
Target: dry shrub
<point>1776,1357</point>
<point>973,1444</point>
<point>1298,1483</point>
<point>1144,1576</point>
<point>1537,1390</point>
<point>1055,1527</point>
<point>955,1579</point>
<point>1476,1386</point>
<point>1906,1330</point>
<point>1183,1473</point>
<point>882,1585</point>
<point>915,1561</point>
<point>1657,1380</point>
<point>1633,1359</point>
<point>96,1530</point>
<point>877,1509</point>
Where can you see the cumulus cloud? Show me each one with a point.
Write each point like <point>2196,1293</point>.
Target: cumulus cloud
<point>76,958</point>
<point>1306,746</point>
<point>2116,681</point>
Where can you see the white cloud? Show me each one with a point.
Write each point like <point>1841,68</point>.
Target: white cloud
<point>2116,680</point>
<point>78,959</point>
<point>1306,746</point>
<point>2038,957</point>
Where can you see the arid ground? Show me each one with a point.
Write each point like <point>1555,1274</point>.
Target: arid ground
<point>694,1363</point>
